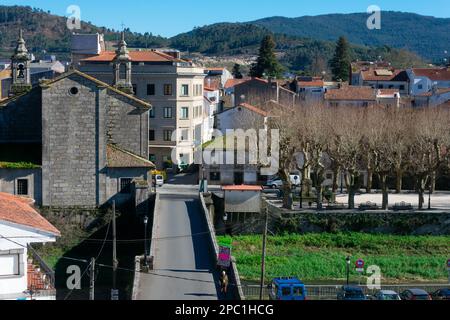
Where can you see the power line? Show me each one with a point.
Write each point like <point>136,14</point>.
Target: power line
<point>90,265</point>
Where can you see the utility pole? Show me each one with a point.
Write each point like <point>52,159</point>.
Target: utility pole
<point>263,260</point>
<point>115,262</point>
<point>92,280</point>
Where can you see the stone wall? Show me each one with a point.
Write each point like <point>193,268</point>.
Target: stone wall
<point>70,142</point>
<point>127,126</point>
<point>8,182</point>
<point>20,119</point>
<point>76,130</point>
<point>401,223</point>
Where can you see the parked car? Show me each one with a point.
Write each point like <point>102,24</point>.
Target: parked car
<point>442,294</point>
<point>159,180</point>
<point>387,295</point>
<point>351,293</point>
<point>415,294</point>
<point>276,183</point>
<point>287,289</point>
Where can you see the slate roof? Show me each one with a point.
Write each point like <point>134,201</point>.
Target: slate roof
<point>119,158</point>
<point>19,211</point>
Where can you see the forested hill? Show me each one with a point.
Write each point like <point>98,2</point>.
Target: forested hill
<point>424,35</point>
<point>45,31</point>
<point>48,33</point>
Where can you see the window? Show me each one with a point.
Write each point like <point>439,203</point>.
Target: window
<point>9,265</point>
<point>151,135</point>
<point>168,113</point>
<point>125,185</point>
<point>402,87</point>
<point>420,87</point>
<point>152,113</point>
<point>298,291</point>
<point>198,90</point>
<point>184,135</point>
<point>168,90</point>
<point>22,187</point>
<point>185,90</point>
<point>286,291</point>
<point>73,91</point>
<point>380,86</point>
<point>152,158</point>
<point>184,113</point>
<point>168,135</point>
<point>329,176</point>
<point>214,176</point>
<point>151,89</point>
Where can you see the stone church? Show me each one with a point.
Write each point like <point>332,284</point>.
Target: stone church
<point>73,141</point>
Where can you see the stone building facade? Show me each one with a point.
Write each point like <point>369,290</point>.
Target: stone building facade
<point>90,140</point>
<point>174,86</point>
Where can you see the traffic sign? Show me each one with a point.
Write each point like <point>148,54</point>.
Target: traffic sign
<point>224,259</point>
<point>114,295</point>
<point>360,265</point>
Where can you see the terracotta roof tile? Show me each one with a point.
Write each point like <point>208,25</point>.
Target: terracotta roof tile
<point>19,211</point>
<point>434,74</point>
<point>254,109</point>
<point>234,82</point>
<point>386,74</point>
<point>315,83</point>
<point>136,56</point>
<point>354,93</point>
<point>242,188</point>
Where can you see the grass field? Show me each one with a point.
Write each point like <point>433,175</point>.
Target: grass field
<point>321,257</point>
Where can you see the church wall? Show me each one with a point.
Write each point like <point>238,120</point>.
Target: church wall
<point>19,119</point>
<point>71,159</point>
<point>127,126</point>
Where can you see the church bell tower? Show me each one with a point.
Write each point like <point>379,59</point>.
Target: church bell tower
<point>20,65</point>
<point>122,67</point>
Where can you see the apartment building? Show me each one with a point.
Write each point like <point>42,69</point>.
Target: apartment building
<point>175,88</point>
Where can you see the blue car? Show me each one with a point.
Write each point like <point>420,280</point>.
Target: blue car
<point>351,293</point>
<point>285,289</point>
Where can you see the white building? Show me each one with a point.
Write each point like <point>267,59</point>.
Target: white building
<point>425,79</point>
<point>20,226</point>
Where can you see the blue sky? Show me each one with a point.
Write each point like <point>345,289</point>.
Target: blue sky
<point>169,18</point>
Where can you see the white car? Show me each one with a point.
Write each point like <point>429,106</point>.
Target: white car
<point>159,180</point>
<point>278,183</point>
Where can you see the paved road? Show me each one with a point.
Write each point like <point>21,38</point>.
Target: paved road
<point>183,266</point>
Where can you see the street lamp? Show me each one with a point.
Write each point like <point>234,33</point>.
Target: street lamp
<point>145,240</point>
<point>348,260</point>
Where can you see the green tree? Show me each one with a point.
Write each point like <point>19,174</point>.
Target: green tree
<point>267,63</point>
<point>340,64</point>
<point>237,74</point>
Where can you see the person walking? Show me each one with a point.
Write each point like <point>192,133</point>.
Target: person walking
<point>224,283</point>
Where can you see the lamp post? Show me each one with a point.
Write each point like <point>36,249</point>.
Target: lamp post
<point>145,240</point>
<point>430,191</point>
<point>348,260</point>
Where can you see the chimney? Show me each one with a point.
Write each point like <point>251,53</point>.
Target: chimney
<point>173,53</point>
